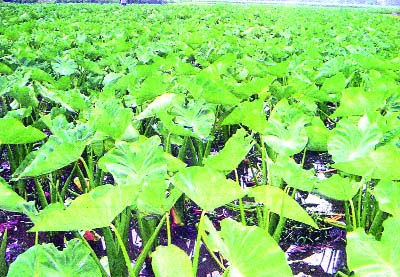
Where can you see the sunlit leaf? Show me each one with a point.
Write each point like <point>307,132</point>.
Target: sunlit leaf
<point>171,261</point>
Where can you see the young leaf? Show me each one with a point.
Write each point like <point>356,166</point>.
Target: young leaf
<point>198,183</point>
<point>235,149</point>
<point>171,261</point>
<point>46,261</point>
<point>280,203</point>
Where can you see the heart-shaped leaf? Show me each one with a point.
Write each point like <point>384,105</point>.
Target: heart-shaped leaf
<point>338,188</point>
<point>171,261</point>
<point>198,183</point>
<point>12,131</point>
<point>95,209</point>
<point>250,250</point>
<point>387,193</point>
<point>280,203</point>
<point>383,256</point>
<point>349,141</point>
<point>235,149</point>
<point>46,261</point>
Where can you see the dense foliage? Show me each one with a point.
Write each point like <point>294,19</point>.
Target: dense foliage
<point>170,100</point>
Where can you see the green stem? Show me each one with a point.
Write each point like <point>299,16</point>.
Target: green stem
<point>260,219</point>
<point>124,251</point>
<point>195,158</point>
<point>89,173</point>
<point>40,193</point>
<point>196,252</point>
<point>279,228</point>
<point>3,249</point>
<point>353,214</point>
<point>140,260</point>
<point>377,223</point>
<point>67,182</point>
<point>92,253</point>
<point>264,162</point>
<point>182,150</point>
<point>349,226</point>
<point>168,228</point>
<point>366,209</point>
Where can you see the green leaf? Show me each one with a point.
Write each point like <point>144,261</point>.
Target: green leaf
<point>368,257</point>
<point>5,69</point>
<point>280,203</point>
<point>171,261</point>
<point>110,117</point>
<point>349,141</point>
<point>285,132</point>
<point>317,135</point>
<point>338,188</point>
<point>387,193</point>
<point>250,114</point>
<point>195,118</point>
<point>138,163</point>
<point>198,183</point>
<point>235,149</point>
<point>60,150</point>
<point>383,163</point>
<point>46,261</point>
<point>11,201</point>
<point>356,101</point>
<point>250,250</point>
<point>161,103</point>
<point>293,174</point>
<point>64,67</point>
<point>95,209</point>
<point>12,131</point>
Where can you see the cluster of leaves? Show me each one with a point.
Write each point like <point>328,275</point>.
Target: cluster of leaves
<point>144,93</point>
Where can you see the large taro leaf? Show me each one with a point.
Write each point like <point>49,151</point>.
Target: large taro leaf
<point>356,101</point>
<point>368,257</point>
<point>64,66</point>
<point>11,201</point>
<point>197,117</point>
<point>350,141</point>
<point>277,201</point>
<point>171,261</point>
<point>61,149</point>
<point>154,199</point>
<point>250,250</point>
<point>46,261</point>
<point>317,135</point>
<point>387,193</point>
<point>110,117</point>
<point>250,114</point>
<point>293,174</point>
<point>382,163</point>
<point>160,103</point>
<point>235,149</point>
<point>138,163</point>
<point>285,132</point>
<point>95,209</point>
<point>12,131</point>
<point>338,188</point>
<point>207,187</point>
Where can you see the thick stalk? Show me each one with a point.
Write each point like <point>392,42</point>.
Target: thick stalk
<point>40,193</point>
<point>182,150</point>
<point>377,223</point>
<point>92,253</point>
<point>196,253</point>
<point>147,248</point>
<point>279,228</point>
<point>349,226</point>
<point>67,182</point>
<point>168,228</point>
<point>366,209</point>
<point>353,214</point>
<point>3,249</point>
<point>89,173</point>
<point>124,251</point>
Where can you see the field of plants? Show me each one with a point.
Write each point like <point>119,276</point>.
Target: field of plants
<point>211,123</point>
